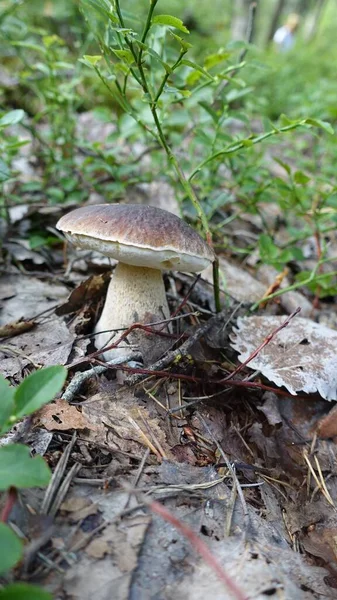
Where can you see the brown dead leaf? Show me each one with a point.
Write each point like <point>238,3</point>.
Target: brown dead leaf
<point>25,297</point>
<point>119,422</point>
<point>98,548</point>
<point>79,508</point>
<point>267,274</point>
<point>16,327</point>
<point>115,555</point>
<point>321,541</point>
<point>75,503</point>
<point>126,538</point>
<point>89,290</point>
<point>327,426</point>
<point>60,416</point>
<point>49,343</point>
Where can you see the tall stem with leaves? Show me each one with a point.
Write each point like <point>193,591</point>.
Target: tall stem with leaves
<point>138,72</point>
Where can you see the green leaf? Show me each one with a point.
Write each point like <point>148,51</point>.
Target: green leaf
<point>196,67</point>
<point>268,251</point>
<point>283,165</point>
<point>322,124</point>
<point>236,94</point>
<point>125,55</point>
<point>170,21</point>
<point>185,45</point>
<point>12,117</point>
<point>38,389</point>
<point>91,61</point>
<point>5,172</point>
<point>24,591</point>
<point>301,178</point>
<point>30,46</point>
<point>284,120</point>
<point>215,59</point>
<point>10,549</point>
<point>18,469</point>
<point>155,55</point>
<point>208,108</point>
<point>6,401</point>
<point>102,7</point>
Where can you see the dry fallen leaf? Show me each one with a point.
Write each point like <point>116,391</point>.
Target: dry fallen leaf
<point>61,416</point>
<point>89,290</point>
<point>120,423</point>
<point>49,343</point>
<point>301,357</point>
<point>327,425</point>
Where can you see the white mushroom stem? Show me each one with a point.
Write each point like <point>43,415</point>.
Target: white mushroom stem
<point>135,295</point>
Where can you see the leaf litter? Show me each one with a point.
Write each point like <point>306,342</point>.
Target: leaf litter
<point>269,522</point>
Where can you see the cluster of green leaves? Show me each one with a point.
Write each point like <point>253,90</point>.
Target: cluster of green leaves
<point>17,468</point>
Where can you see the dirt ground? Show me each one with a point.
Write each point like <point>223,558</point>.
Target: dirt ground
<point>195,477</point>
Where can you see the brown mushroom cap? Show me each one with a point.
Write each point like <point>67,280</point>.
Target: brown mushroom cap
<point>138,235</point>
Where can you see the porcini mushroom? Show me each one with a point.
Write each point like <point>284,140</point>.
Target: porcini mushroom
<point>145,240</point>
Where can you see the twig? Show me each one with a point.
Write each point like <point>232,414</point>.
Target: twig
<point>57,477</point>
<point>10,501</point>
<point>63,489</point>
<point>175,355</point>
<point>233,474</point>
<point>185,300</point>
<point>145,439</point>
<point>138,475</point>
<point>80,377</point>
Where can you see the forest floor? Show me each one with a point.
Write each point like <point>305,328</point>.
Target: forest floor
<point>195,477</point>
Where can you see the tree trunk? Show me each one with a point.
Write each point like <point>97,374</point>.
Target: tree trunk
<point>275,19</point>
<point>317,19</point>
<point>240,19</point>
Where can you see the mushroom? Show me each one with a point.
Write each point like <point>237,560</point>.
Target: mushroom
<point>145,240</point>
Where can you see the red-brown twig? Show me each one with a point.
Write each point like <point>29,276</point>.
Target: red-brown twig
<point>10,501</point>
<point>122,337</point>
<point>185,300</point>
<point>200,546</point>
<point>193,379</point>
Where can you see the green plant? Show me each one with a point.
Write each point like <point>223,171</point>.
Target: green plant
<point>147,69</point>
<point>17,468</point>
<point>9,145</point>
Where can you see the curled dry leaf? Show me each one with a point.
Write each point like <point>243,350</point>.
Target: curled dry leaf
<point>89,290</point>
<point>301,357</point>
<point>16,327</point>
<point>60,415</point>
